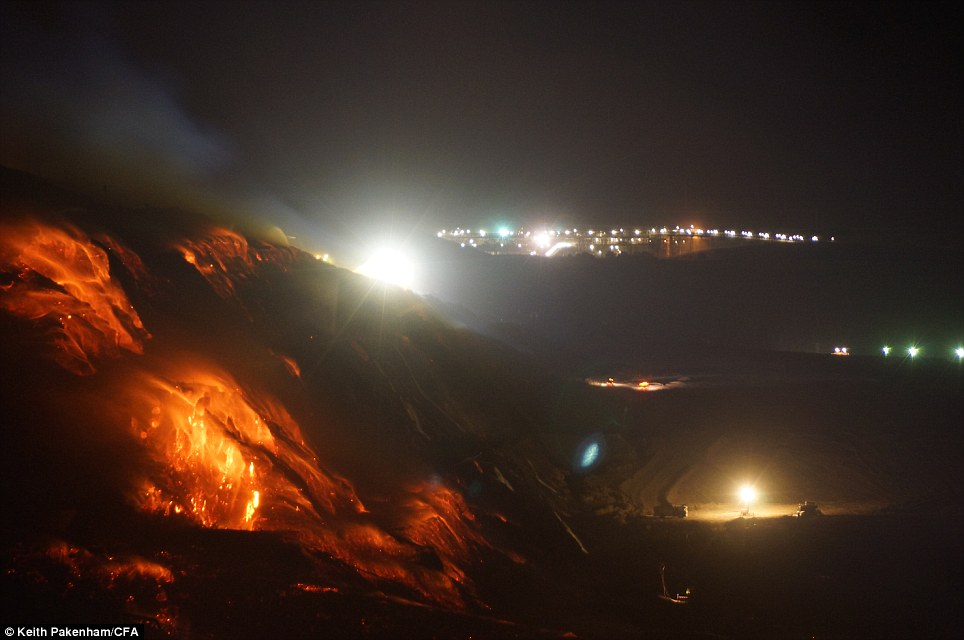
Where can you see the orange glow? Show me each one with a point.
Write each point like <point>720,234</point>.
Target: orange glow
<point>218,256</point>
<point>314,588</point>
<point>144,581</point>
<point>221,456</point>
<point>290,365</point>
<point>439,518</point>
<point>229,460</point>
<point>63,283</point>
<point>81,561</point>
<point>225,258</point>
<point>132,263</point>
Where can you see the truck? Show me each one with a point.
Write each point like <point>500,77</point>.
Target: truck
<point>807,509</point>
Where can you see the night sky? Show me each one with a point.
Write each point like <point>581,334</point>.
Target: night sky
<point>327,118</point>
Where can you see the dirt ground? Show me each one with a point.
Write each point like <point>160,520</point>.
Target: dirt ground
<point>879,450</point>
<point>830,577</point>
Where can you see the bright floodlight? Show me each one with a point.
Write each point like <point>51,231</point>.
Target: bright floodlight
<point>504,232</point>
<point>747,494</point>
<point>886,351</point>
<point>391,266</point>
<point>959,352</point>
<point>913,351</point>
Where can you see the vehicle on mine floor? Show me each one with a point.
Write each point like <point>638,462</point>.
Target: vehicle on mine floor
<point>807,509</point>
<point>666,510</point>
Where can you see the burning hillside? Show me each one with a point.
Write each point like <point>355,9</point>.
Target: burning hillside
<point>62,282</point>
<point>165,383</point>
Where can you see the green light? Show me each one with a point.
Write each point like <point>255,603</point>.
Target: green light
<point>886,351</point>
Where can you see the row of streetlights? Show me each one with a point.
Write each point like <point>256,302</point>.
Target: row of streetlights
<point>913,351</point>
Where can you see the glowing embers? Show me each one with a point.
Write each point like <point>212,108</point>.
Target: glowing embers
<point>225,258</point>
<point>62,281</point>
<point>110,568</point>
<point>200,432</point>
<point>438,517</point>
<point>224,457</point>
<point>436,538</point>
<point>140,585</point>
<point>218,256</point>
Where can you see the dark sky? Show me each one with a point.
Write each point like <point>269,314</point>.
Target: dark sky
<point>330,116</point>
